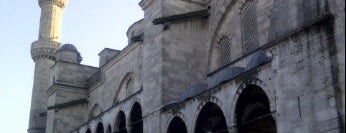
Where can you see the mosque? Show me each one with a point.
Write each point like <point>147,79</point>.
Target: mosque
<point>198,66</point>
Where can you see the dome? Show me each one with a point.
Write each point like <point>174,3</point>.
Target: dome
<point>68,47</point>
<point>69,53</point>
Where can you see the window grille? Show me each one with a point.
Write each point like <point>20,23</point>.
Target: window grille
<point>224,51</point>
<point>249,27</point>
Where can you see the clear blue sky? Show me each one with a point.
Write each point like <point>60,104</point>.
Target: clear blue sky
<point>89,25</point>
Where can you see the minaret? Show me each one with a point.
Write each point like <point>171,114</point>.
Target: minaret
<point>43,53</point>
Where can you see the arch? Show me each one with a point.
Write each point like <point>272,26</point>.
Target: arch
<point>100,128</point>
<point>253,112</point>
<point>128,86</point>
<point>136,120</point>
<point>174,114</point>
<point>220,31</point>
<point>177,125</point>
<point>109,129</point>
<point>88,131</point>
<point>211,119</point>
<point>120,123</point>
<point>210,99</point>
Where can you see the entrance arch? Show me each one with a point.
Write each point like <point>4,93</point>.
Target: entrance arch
<point>136,122</point>
<point>253,113</point>
<point>177,125</point>
<point>120,122</point>
<point>211,120</point>
<point>109,129</point>
<point>99,128</point>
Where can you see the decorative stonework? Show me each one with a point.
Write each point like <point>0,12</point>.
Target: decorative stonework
<point>43,53</point>
<point>173,115</point>
<point>60,3</point>
<point>224,49</point>
<point>223,36</point>
<point>44,50</point>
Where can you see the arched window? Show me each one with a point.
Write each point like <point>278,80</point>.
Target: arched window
<point>224,51</point>
<point>249,27</point>
<point>253,112</point>
<point>136,122</point>
<point>177,125</point>
<point>211,120</point>
<point>88,131</point>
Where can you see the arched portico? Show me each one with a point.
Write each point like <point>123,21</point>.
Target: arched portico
<point>177,125</point>
<point>211,119</point>
<point>252,112</point>
<point>120,123</point>
<point>136,122</point>
<point>100,128</point>
<point>109,129</point>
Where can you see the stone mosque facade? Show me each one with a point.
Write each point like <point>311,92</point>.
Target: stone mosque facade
<point>198,66</point>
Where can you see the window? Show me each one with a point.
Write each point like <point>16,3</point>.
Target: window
<point>249,27</point>
<point>224,51</point>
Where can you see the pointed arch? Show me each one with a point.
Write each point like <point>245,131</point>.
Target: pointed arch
<point>252,111</point>
<point>99,128</point>
<point>177,125</point>
<point>88,131</point>
<point>109,129</point>
<point>136,120</point>
<point>120,123</point>
<point>128,86</point>
<point>211,119</point>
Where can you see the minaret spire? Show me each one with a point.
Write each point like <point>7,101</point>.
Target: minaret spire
<point>43,53</point>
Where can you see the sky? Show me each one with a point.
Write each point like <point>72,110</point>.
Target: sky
<point>89,25</point>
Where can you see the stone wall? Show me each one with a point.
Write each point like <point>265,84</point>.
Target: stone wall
<point>302,76</point>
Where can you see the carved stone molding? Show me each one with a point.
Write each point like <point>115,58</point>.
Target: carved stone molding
<point>222,36</point>
<point>43,53</point>
<point>60,3</point>
<point>44,50</point>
